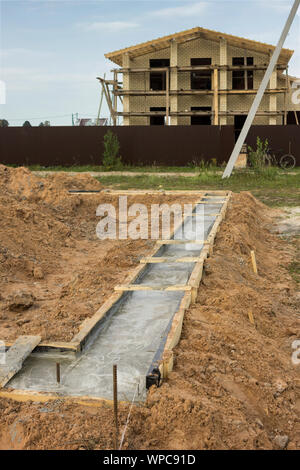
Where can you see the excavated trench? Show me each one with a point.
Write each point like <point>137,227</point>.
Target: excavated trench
<point>133,331</point>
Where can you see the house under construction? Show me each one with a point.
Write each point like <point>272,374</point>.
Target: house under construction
<point>199,77</point>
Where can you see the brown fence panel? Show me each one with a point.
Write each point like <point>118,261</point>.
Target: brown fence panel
<point>139,145</point>
<point>279,138</point>
<point>173,145</point>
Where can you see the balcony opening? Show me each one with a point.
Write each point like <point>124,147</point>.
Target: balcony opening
<point>291,118</point>
<point>157,120</point>
<point>201,120</point>
<point>239,78</point>
<point>239,121</point>
<point>158,79</point>
<point>201,79</point>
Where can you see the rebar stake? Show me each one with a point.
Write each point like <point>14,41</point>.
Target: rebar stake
<point>58,372</point>
<point>115,382</point>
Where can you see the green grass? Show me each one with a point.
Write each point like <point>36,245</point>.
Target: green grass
<point>294,269</point>
<point>273,187</point>
<point>135,169</point>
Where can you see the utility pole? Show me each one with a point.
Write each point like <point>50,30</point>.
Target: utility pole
<point>260,93</point>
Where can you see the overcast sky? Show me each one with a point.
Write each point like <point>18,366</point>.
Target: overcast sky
<point>52,51</point>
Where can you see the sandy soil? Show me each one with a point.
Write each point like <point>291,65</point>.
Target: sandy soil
<point>288,223</point>
<point>234,385</point>
<point>54,271</point>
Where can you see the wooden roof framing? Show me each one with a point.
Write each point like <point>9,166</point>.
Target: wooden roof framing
<point>191,34</point>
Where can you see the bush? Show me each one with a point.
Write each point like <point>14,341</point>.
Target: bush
<point>257,158</point>
<point>111,159</point>
<point>4,123</point>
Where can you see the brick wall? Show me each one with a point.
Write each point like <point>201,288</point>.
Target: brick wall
<point>220,53</point>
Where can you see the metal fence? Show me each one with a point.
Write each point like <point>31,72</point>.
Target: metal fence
<point>139,145</point>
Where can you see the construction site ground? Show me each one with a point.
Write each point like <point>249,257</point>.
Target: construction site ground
<point>233,386</point>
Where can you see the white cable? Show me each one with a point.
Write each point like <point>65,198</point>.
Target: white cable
<point>127,421</point>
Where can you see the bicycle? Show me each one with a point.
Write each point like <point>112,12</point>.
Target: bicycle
<point>286,161</point>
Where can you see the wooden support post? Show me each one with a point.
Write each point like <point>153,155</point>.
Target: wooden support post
<point>167,96</point>
<point>115,99</point>
<point>245,71</point>
<point>286,96</point>
<point>100,104</point>
<point>251,318</point>
<point>216,97</point>
<point>107,95</point>
<point>253,259</point>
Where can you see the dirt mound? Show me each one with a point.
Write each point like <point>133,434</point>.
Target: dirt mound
<point>36,217</point>
<point>23,185</point>
<point>32,226</point>
<point>82,181</point>
<point>20,301</point>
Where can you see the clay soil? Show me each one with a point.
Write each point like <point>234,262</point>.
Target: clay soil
<point>233,386</point>
<point>54,271</point>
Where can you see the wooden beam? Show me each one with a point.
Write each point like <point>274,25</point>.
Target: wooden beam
<point>106,94</point>
<point>115,100</point>
<point>216,97</point>
<point>286,97</point>
<point>178,242</point>
<point>199,113</point>
<point>156,259</point>
<point>121,92</point>
<point>15,357</point>
<point>88,325</point>
<point>167,96</point>
<point>141,287</point>
<point>190,68</point>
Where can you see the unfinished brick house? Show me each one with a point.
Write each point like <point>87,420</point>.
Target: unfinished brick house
<point>199,77</point>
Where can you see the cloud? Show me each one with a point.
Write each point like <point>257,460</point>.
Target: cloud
<point>33,78</point>
<point>19,51</point>
<point>107,27</point>
<point>189,9</point>
<point>280,6</point>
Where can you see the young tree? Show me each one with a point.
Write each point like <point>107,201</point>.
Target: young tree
<point>111,159</point>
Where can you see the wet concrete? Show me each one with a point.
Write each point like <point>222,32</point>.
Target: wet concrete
<point>166,274</point>
<point>183,250</point>
<point>130,339</point>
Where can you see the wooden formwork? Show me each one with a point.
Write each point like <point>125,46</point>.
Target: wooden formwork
<point>90,325</point>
